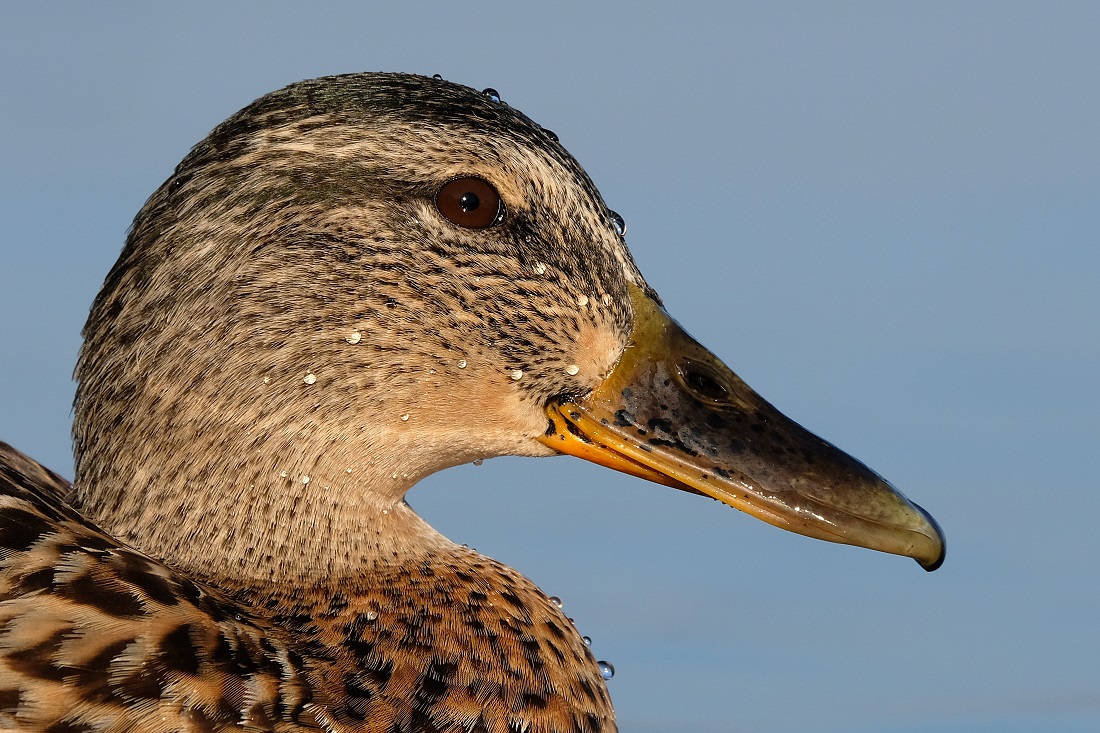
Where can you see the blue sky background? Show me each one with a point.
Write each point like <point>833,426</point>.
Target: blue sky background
<point>885,216</point>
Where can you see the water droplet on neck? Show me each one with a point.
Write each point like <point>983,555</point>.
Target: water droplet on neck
<point>582,300</point>
<point>437,77</point>
<point>556,601</point>
<point>553,135</point>
<point>405,417</point>
<point>619,222</point>
<point>491,93</point>
<point>305,479</point>
<point>517,374</point>
<point>479,461</point>
<point>354,337</point>
<point>540,268</point>
<point>572,369</point>
<point>587,640</point>
<point>310,378</point>
<point>607,669</point>
<point>461,363</point>
<point>371,615</point>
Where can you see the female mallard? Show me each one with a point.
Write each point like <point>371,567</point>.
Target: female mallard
<point>355,282</point>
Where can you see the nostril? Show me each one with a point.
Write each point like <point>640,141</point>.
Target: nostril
<point>703,382</point>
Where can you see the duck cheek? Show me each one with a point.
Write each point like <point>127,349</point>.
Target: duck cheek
<point>480,415</point>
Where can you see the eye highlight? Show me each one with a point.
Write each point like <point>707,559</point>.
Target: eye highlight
<point>470,202</point>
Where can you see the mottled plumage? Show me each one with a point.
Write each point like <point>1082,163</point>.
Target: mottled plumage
<point>98,636</point>
<point>296,333</point>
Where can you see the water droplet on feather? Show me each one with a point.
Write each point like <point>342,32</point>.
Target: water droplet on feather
<point>619,222</point>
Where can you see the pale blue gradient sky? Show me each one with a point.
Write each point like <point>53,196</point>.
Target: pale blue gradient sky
<point>884,216</point>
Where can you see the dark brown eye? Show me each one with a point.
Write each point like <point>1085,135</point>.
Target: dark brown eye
<point>470,202</point>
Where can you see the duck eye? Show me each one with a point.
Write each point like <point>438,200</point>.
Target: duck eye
<point>470,202</point>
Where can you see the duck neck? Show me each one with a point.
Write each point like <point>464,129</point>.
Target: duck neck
<point>272,519</point>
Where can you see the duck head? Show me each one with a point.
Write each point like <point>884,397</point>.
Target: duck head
<point>359,280</point>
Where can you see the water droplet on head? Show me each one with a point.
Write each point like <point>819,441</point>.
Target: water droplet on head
<point>479,461</point>
<point>556,601</point>
<point>553,135</point>
<point>354,337</point>
<point>309,378</point>
<point>582,300</point>
<point>267,380</point>
<point>619,222</point>
<point>283,474</point>
<point>371,615</point>
<point>607,669</point>
<point>517,374</point>
<point>587,640</point>
<point>540,269</point>
<point>607,299</point>
<point>437,77</point>
<point>572,369</point>
<point>305,479</point>
<point>461,363</point>
<point>405,417</point>
<point>491,93</point>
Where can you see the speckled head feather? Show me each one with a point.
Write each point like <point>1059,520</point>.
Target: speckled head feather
<point>293,286</point>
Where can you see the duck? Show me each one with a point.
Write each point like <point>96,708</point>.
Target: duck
<point>353,283</point>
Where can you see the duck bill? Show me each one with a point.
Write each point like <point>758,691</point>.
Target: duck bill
<point>673,413</point>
